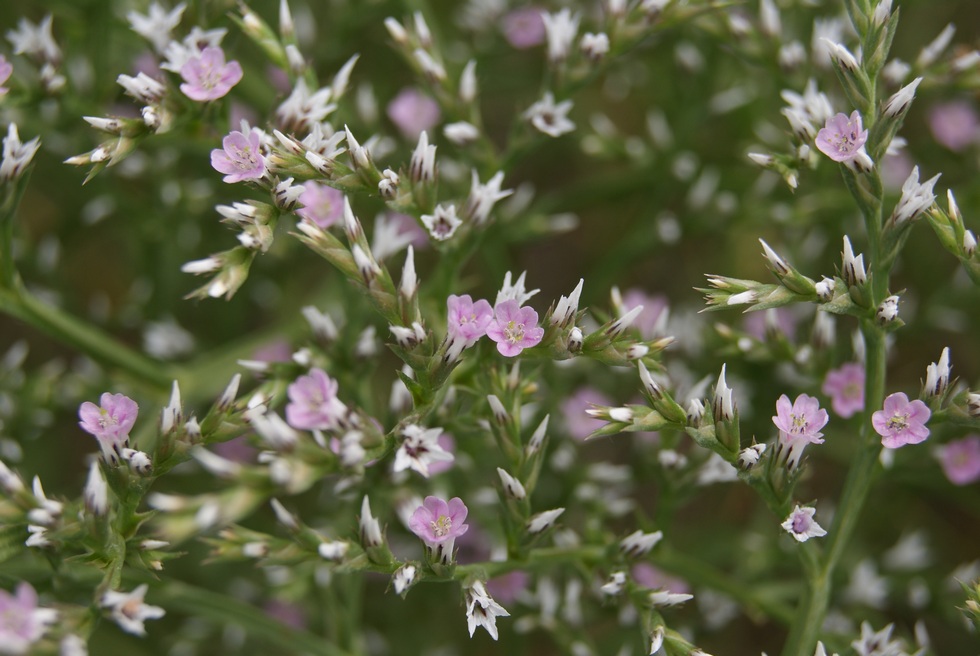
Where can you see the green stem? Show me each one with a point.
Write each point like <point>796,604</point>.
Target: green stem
<point>204,603</point>
<point>73,332</point>
<point>810,614</point>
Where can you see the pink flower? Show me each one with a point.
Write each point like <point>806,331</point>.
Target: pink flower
<point>438,524</point>
<point>801,420</point>
<point>961,460</point>
<point>6,69</point>
<point>468,320</point>
<point>241,157</point>
<point>507,587</point>
<point>208,77</point>
<point>901,422</point>
<point>447,444</point>
<point>412,112</point>
<point>514,328</point>
<point>523,28</point>
<point>110,422</point>
<point>313,402</point>
<point>322,205</point>
<point>650,577</point>
<point>845,386</point>
<point>653,308</point>
<point>22,623</point>
<point>842,138</point>
<point>954,124</point>
<point>579,424</point>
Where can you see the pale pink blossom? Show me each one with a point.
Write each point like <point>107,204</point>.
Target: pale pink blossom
<point>845,386</point>
<point>313,402</point>
<point>524,27</point>
<point>22,623</point>
<point>438,523</point>
<point>412,112</point>
<point>649,576</point>
<point>514,328</point>
<point>578,423</point>
<point>208,77</point>
<point>240,157</point>
<point>6,69</point>
<point>322,205</point>
<point>960,460</point>
<point>901,422</point>
<point>110,422</point>
<point>842,138</point>
<point>468,320</point>
<point>955,124</point>
<point>802,419</point>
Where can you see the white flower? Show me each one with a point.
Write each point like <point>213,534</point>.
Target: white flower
<point>129,611</point>
<point>442,223</point>
<point>614,586</point>
<point>877,644</point>
<point>595,46</point>
<point>639,543</point>
<point>420,448</point>
<point>482,610</point>
<point>461,132</point>
<point>801,525</point>
<point>515,291</point>
<point>422,167</point>
<point>157,24</point>
<point>543,521</point>
<point>916,198</point>
<point>96,490</point>
<point>370,529</point>
<point>716,470</point>
<point>16,155</point>
<point>667,598</point>
<point>866,586</point>
<point>388,238</point>
<point>549,118</point>
<point>512,486</point>
<point>304,108</point>
<point>333,550</point>
<point>35,40</point>
<point>560,28</point>
<point>483,197</point>
<point>403,578</point>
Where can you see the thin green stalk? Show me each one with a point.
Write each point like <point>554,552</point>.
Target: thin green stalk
<point>93,342</point>
<point>813,608</point>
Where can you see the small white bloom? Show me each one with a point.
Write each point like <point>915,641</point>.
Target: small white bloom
<point>483,197</point>
<point>96,491</point>
<point>514,290</point>
<point>461,133</point>
<point>35,40</point>
<point>852,268</point>
<point>543,521</point>
<point>549,118</point>
<point>749,456</point>
<point>723,407</point>
<point>560,28</point>
<point>16,155</point>
<point>801,525</point>
<point>614,585</point>
<point>422,167</point>
<point>442,223</point>
<point>334,550</point>
<point>931,52</point>
<point>482,610</point>
<point>916,198</point>
<point>129,611</point>
<point>667,598</point>
<point>901,100</point>
<point>420,448</point>
<point>512,486</point>
<point>370,529</point>
<point>157,24</point>
<point>638,543</point>
<point>595,46</point>
<point>403,578</point>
